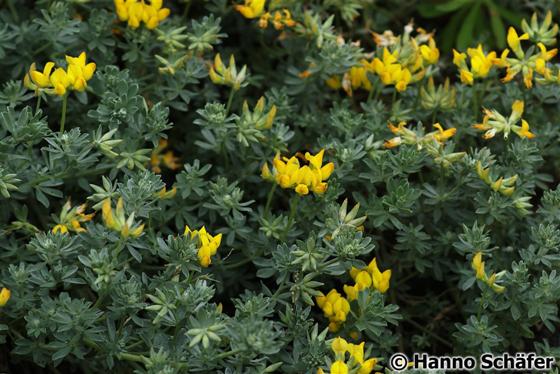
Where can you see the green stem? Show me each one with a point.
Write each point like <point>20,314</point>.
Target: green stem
<point>434,114</point>
<point>230,100</point>
<point>393,99</point>
<point>370,95</point>
<point>475,100</point>
<point>293,209</point>
<point>133,357</point>
<point>227,354</point>
<point>269,199</point>
<point>63,115</point>
<point>38,106</point>
<point>420,85</point>
<point>238,264</point>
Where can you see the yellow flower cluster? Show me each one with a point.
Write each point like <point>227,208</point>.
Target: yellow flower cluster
<point>355,362</point>
<point>137,11</point>
<point>369,277</point>
<point>407,136</point>
<point>57,82</point>
<point>207,244</point>
<point>116,220</point>
<point>227,75</point>
<point>335,307</point>
<point>261,119</point>
<point>480,63</point>
<point>168,159</point>
<point>505,186</point>
<point>493,123</point>
<point>433,142</point>
<point>289,173</point>
<point>532,63</point>
<point>403,60</point>
<point>4,296</point>
<point>526,65</point>
<point>352,80</point>
<point>478,266</point>
<point>70,219</point>
<point>279,19</point>
<point>252,9</point>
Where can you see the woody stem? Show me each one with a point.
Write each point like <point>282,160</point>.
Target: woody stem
<point>63,115</point>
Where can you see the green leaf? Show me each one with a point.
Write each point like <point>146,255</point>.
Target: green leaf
<point>429,11</point>
<point>450,30</point>
<point>452,5</point>
<point>513,18</point>
<point>465,36</point>
<point>498,27</point>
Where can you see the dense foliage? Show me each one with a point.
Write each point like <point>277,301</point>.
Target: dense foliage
<point>274,186</point>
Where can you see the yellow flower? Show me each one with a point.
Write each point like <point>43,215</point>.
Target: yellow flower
<point>339,346</point>
<point>70,219</point>
<point>514,40</point>
<point>79,72</point>
<point>363,280</point>
<point>351,292</point>
<point>335,308</point>
<point>116,220</point>
<point>59,81</point>
<point>391,72</point>
<point>492,283</point>
<point>4,296</point>
<point>137,11</point>
<point>288,173</point>
<point>380,279</point>
<point>251,8</point>
<point>430,52</point>
<point>357,352</point>
<point>466,77</point>
<point>40,79</point>
<point>367,366</point>
<point>207,244</point>
<point>392,143</point>
<point>339,367</point>
<point>459,57</point>
<point>480,63</point>
<point>442,135</point>
<point>524,130</point>
<point>494,122</point>
<point>478,266</point>
<point>334,82</point>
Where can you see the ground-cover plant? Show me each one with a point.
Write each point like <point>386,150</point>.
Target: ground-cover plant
<point>271,186</point>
